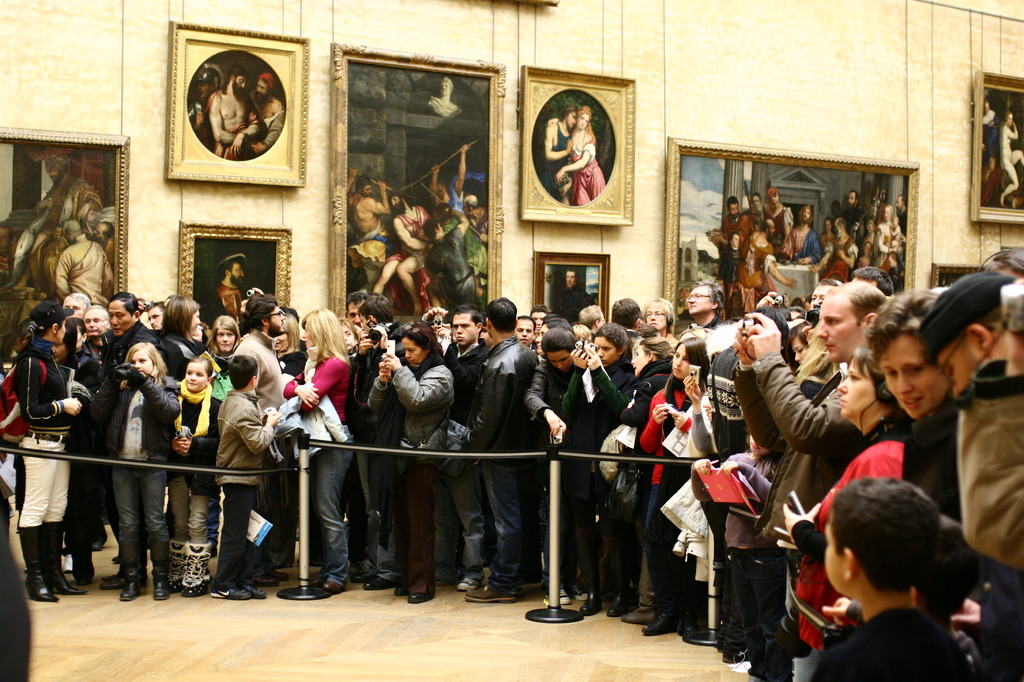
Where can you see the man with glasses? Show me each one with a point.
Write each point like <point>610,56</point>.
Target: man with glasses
<point>706,303</point>
<point>262,322</point>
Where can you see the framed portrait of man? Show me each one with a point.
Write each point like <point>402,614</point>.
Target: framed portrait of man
<point>761,220</point>
<point>221,264</point>
<point>569,282</point>
<point>416,176</point>
<point>237,106</point>
<point>577,147</point>
<point>63,221</point>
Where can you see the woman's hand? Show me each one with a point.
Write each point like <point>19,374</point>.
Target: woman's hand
<point>837,612</point>
<point>72,406</point>
<point>593,360</point>
<point>555,423</point>
<point>680,419</point>
<point>307,394</point>
<point>661,413</point>
<point>692,387</point>
<point>579,358</point>
<point>703,467</point>
<point>181,445</point>
<point>792,518</point>
<point>729,467</point>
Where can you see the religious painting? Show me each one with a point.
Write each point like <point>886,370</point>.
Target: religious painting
<point>569,282</point>
<point>577,147</point>
<point>238,106</point>
<point>63,221</point>
<point>417,212</point>
<point>998,158</point>
<point>221,264</point>
<point>944,274</point>
<point>760,220</point>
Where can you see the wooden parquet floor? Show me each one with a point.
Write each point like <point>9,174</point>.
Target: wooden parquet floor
<point>358,635</point>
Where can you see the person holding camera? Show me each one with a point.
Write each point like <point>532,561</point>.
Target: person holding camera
<point>613,381</point>
<point>139,402</point>
<point>47,408</point>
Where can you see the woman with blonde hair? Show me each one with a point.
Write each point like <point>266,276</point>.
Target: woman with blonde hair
<point>289,347</point>
<point>139,403</point>
<point>325,379</point>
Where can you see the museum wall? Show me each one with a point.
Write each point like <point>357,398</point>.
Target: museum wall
<point>886,79</point>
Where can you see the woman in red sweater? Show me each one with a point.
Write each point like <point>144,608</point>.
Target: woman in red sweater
<point>326,376</point>
<point>867,402</point>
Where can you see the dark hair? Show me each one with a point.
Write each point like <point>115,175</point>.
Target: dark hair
<point>258,308</point>
<point>475,314</point>
<point>555,321</point>
<point>70,342</point>
<point>716,292</point>
<point>617,336</point>
<point>625,312</point>
<point>502,313</point>
<point>797,334</point>
<point>952,575</point>
<point>646,331</point>
<point>128,300</point>
<point>696,354</point>
<point>781,320</point>
<point>855,193</point>
<point>558,338</point>
<point>902,315</point>
<point>656,346</point>
<point>205,361</point>
<point>356,297</point>
<point>891,527</point>
<point>1006,261</point>
<point>422,334</point>
<point>527,318</point>
<point>874,275</point>
<point>540,309</point>
<point>828,281</point>
<point>241,370</point>
<point>178,314</point>
<point>378,307</point>
<point>732,201</point>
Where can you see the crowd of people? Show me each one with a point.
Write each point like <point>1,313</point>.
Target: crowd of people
<point>876,439</point>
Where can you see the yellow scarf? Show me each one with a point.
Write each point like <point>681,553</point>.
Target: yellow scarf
<point>203,426</point>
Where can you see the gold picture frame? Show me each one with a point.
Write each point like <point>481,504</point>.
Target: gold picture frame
<point>944,274</point>
<point>49,179</point>
<point>600,190</point>
<point>267,144</point>
<point>994,131</point>
<point>700,225</point>
<point>394,117</point>
<point>566,294</point>
<point>208,253</point>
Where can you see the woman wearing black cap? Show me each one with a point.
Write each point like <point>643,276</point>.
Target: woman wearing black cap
<point>47,408</point>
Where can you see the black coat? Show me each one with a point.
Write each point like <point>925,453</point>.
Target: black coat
<point>117,347</point>
<point>497,418</point>
<point>546,392</point>
<point>160,409</point>
<point>179,351</point>
<point>466,374</point>
<point>203,449</point>
<point>929,458</point>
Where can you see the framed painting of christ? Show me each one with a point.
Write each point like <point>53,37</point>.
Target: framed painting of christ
<point>762,220</point>
<point>416,179</point>
<point>238,106</point>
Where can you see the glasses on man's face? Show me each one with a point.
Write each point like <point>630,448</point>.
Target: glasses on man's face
<point>279,313</point>
<point>698,296</point>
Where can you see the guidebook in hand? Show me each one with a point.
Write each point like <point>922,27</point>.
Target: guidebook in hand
<point>729,488</point>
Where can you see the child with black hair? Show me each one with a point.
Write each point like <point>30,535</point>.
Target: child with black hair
<point>882,537</point>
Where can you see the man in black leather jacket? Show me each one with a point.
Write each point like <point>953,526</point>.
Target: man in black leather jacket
<point>498,421</point>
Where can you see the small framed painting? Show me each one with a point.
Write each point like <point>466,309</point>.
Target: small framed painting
<point>569,282</point>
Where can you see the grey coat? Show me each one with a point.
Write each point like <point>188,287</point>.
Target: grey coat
<point>426,403</point>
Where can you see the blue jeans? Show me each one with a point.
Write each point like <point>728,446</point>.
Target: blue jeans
<point>457,506</point>
<point>502,485</point>
<point>759,585</point>
<point>329,468</point>
<point>150,484</point>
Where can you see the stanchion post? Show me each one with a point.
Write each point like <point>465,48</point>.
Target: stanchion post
<point>305,591</point>
<point>554,613</point>
<point>709,636</point>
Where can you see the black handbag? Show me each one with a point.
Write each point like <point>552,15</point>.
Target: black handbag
<point>622,497</point>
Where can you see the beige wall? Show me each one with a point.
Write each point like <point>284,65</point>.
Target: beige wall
<point>872,78</point>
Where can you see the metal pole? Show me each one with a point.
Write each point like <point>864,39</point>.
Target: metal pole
<point>305,591</point>
<point>554,613</point>
<point>709,636</point>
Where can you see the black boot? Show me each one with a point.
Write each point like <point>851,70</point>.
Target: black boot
<point>620,571</point>
<point>34,583</point>
<point>160,552</point>
<point>662,625</point>
<point>52,560</point>
<point>129,569</point>
<point>588,552</point>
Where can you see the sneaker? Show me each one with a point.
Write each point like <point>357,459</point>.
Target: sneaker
<point>68,563</point>
<point>485,595</point>
<point>234,594</point>
<point>467,584</point>
<point>254,592</point>
<point>577,593</point>
<point>563,598</point>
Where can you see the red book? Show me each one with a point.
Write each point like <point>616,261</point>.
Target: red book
<point>728,488</point>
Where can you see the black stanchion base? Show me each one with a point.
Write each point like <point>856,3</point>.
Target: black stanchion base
<point>553,615</point>
<point>701,637</point>
<point>303,593</point>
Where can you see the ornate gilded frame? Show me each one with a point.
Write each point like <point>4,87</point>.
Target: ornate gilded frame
<point>1005,89</point>
<point>617,96</point>
<point>944,274</point>
<point>543,260</point>
<point>280,236</point>
<point>680,148</point>
<point>284,164</point>
<point>343,56</point>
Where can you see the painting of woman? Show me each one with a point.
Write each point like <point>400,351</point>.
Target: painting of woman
<point>588,179</point>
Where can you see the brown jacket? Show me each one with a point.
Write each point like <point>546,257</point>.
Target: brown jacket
<point>817,440</point>
<point>243,437</point>
<point>270,388</point>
